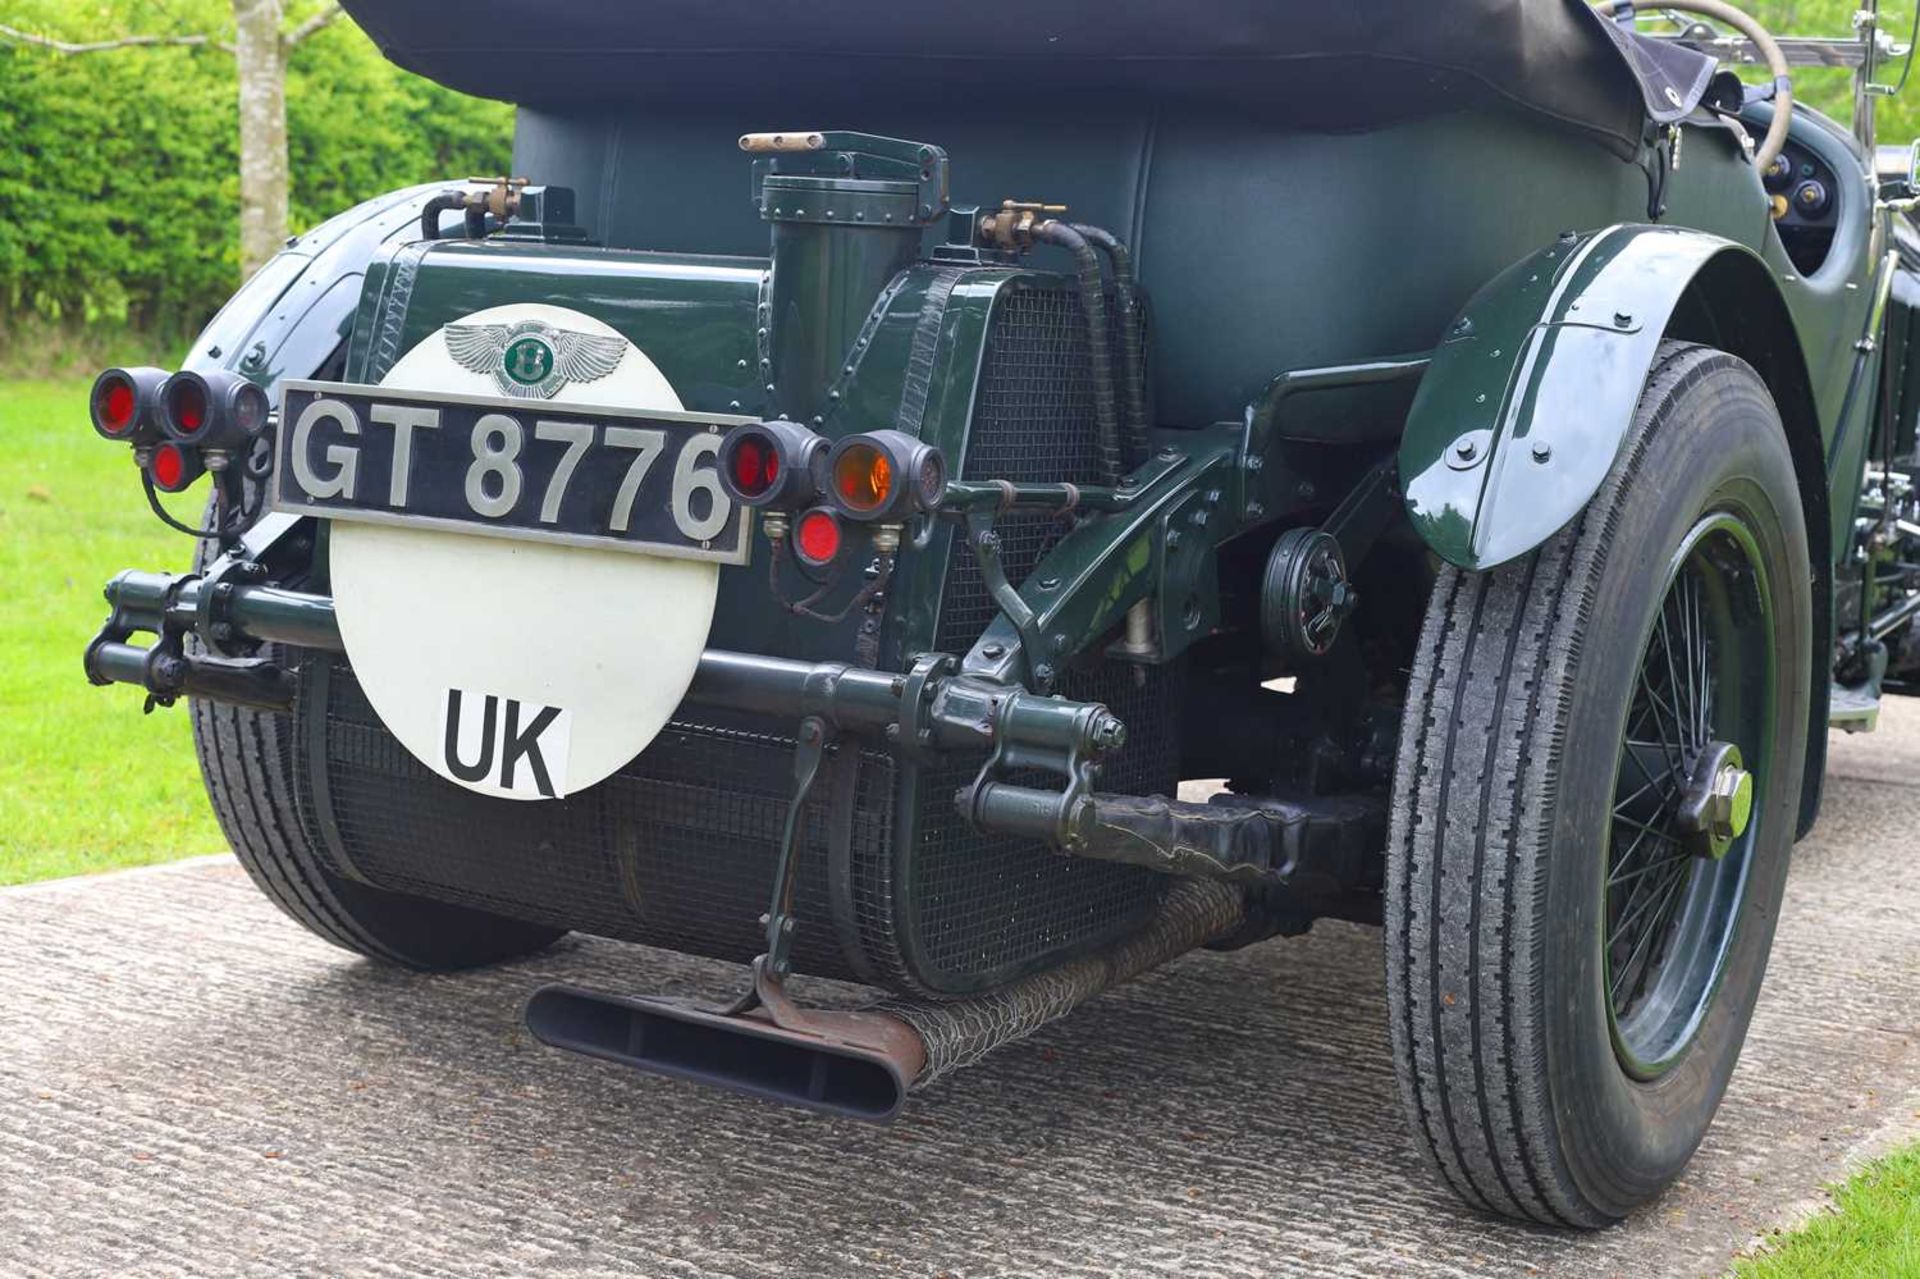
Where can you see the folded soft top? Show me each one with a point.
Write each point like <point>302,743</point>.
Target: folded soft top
<point>1348,65</point>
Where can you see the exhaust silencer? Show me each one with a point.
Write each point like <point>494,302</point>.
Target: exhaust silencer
<point>858,1065</point>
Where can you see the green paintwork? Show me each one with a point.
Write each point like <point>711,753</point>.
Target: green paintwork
<point>846,219</point>
<point>1159,545</point>
<point>1520,416</point>
<point>697,313</point>
<point>1534,386</point>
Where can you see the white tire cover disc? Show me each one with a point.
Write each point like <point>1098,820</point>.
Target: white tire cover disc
<point>448,624</point>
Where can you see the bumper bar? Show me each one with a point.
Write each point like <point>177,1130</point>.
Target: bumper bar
<point>929,708</point>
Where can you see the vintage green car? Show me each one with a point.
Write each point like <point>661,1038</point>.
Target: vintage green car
<point>1477,439</point>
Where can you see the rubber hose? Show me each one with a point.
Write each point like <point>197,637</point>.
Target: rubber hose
<point>1093,304</point>
<point>1133,342</point>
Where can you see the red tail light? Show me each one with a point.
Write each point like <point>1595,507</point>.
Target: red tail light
<point>217,410</point>
<point>187,407</point>
<point>756,466</point>
<point>817,537</point>
<point>174,467</point>
<point>771,464</point>
<point>122,404</point>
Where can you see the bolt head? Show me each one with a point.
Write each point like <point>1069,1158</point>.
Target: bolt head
<point>1730,802</point>
<point>1465,450</point>
<point>1542,451</point>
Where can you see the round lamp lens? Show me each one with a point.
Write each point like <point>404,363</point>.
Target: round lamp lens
<point>189,406</point>
<point>864,477</point>
<point>116,407</point>
<point>818,536</point>
<point>750,466</point>
<point>169,467</point>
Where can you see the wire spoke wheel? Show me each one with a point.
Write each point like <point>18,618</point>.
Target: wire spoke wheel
<point>1693,753</point>
<point>1595,797</point>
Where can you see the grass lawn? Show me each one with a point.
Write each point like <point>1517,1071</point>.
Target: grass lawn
<point>87,782</point>
<point>1873,1232</point>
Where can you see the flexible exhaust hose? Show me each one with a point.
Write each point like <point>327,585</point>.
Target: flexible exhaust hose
<point>1133,344</point>
<point>1718,11</point>
<point>1093,304</point>
<point>1196,911</point>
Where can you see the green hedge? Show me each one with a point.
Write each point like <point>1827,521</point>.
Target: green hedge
<point>118,193</point>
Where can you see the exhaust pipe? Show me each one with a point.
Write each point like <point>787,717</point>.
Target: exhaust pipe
<point>858,1065</point>
<point>861,1064</point>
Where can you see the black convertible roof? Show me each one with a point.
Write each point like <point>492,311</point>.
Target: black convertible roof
<point>1329,64</point>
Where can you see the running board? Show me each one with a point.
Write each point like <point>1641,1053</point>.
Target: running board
<point>740,1052</point>
<point>1852,710</point>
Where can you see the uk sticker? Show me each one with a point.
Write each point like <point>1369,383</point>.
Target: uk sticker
<point>507,746</point>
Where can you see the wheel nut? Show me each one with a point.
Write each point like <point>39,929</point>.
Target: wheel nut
<point>1730,802</point>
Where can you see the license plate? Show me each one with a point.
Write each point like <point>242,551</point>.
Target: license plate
<point>631,480</point>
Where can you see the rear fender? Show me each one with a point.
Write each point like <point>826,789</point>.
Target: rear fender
<point>294,312</point>
<point>1534,387</point>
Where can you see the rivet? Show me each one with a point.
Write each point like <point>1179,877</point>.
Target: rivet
<point>1542,450</point>
<point>1622,319</point>
<point>1465,450</point>
<point>993,651</point>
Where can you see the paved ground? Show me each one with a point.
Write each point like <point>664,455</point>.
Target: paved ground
<point>190,1085</point>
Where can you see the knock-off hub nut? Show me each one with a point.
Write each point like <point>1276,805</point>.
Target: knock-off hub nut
<point>1717,804</point>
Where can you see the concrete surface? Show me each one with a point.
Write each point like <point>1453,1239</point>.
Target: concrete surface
<point>191,1085</point>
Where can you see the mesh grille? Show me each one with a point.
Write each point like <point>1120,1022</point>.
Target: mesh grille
<point>677,849</point>
<point>984,904</point>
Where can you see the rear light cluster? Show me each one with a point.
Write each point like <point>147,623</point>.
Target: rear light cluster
<point>178,423</point>
<point>879,477</point>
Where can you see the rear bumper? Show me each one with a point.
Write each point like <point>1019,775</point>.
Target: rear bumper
<point>927,708</point>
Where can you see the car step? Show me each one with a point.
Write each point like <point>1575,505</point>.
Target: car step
<point>1853,710</point>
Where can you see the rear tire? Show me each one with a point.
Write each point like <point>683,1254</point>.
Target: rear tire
<point>1556,1065</point>
<point>247,761</point>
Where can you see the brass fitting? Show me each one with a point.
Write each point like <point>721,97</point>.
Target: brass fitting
<point>1012,227</point>
<point>503,201</point>
<point>802,140</point>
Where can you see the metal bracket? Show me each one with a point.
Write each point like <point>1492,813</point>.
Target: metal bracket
<point>985,544</point>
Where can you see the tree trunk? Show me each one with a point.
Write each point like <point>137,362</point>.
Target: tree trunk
<point>260,57</point>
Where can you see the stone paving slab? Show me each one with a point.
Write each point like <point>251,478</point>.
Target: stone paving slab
<point>190,1085</point>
